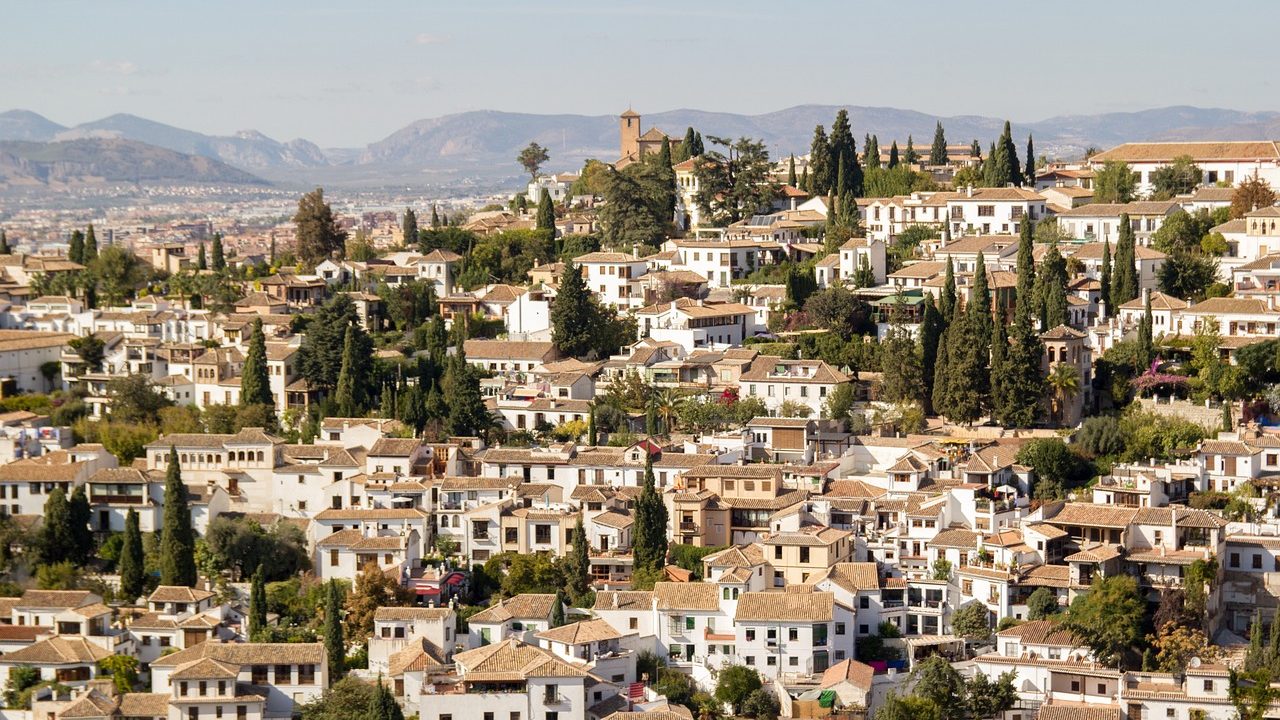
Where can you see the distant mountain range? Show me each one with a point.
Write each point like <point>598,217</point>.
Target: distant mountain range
<point>481,146</point>
<point>25,164</point>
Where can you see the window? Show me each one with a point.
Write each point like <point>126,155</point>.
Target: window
<point>1102,689</point>
<point>793,661</point>
<point>551,694</point>
<point>1075,686</point>
<point>633,624</point>
<point>259,674</point>
<point>333,558</point>
<point>1235,560</point>
<point>515,715</point>
<point>771,661</point>
<point>193,713</point>
<point>986,210</point>
<point>1208,686</point>
<point>488,716</point>
<point>839,628</point>
<point>689,622</point>
<point>862,629</point>
<point>542,534</point>
<point>750,659</point>
<point>777,552</point>
<point>284,674</point>
<point>793,634</point>
<point>307,675</point>
<point>242,712</point>
<point>804,554</point>
<point>1257,562</point>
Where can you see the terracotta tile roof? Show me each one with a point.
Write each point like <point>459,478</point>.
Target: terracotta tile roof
<point>613,519</point>
<point>206,669</point>
<point>56,599</point>
<point>92,704</point>
<point>417,654</point>
<point>58,650</point>
<point>855,576</point>
<point>247,654</point>
<point>1199,151</point>
<point>145,705</point>
<point>687,596</point>
<point>512,661</point>
<point>1041,632</point>
<point>860,675</point>
<point>1159,301</point>
<point>1059,710</point>
<point>395,447</point>
<point>392,614</point>
<point>526,606</point>
<point>764,368</point>
<point>509,350</point>
<point>1226,447</point>
<point>371,514</point>
<point>1095,553</point>
<point>635,600</point>
<point>785,607</point>
<point>1186,517</point>
<point>737,556</point>
<point>810,536</point>
<point>1054,576</point>
<point>1089,514</point>
<point>956,538</point>
<point>586,631</point>
<point>179,594</point>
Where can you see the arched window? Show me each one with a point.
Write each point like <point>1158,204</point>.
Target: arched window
<point>260,456</point>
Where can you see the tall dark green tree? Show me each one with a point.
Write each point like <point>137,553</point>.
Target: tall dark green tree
<point>316,229</point>
<point>133,578</point>
<point>4,244</point>
<point>844,147</point>
<point>649,536</point>
<point>947,305</point>
<point>334,644</point>
<point>1146,341</point>
<point>435,217</point>
<point>893,155</point>
<point>821,174</point>
<point>57,542</point>
<point>75,247</point>
<point>791,171</point>
<point>1025,300</point>
<point>90,245</point>
<point>177,536</point>
<point>255,381</point>
<point>910,156</point>
<point>382,704</point>
<point>258,602</point>
<point>999,370</point>
<point>79,515</point>
<point>1104,276</point>
<point>409,227</point>
<point>1052,292</point>
<point>579,562</point>
<point>667,180</point>
<point>1029,174</point>
<point>468,415</point>
<point>871,152</point>
<point>1124,273</point>
<point>202,259</point>
<point>941,397</point>
<point>575,318</point>
<point>968,375</point>
<point>546,218</point>
<point>979,309</point>
<point>323,348</point>
<point>348,394</point>
<point>938,151</point>
<point>217,257</point>
<point>931,329</point>
<point>1012,170</point>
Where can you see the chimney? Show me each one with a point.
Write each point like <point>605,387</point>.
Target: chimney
<point>968,191</point>
<point>635,250</point>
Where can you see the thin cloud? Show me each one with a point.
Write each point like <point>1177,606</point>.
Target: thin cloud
<point>430,39</point>
<point>115,67</point>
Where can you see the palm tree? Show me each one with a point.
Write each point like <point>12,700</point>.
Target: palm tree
<point>665,401</point>
<point>1064,384</point>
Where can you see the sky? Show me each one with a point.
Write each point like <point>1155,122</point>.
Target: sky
<point>344,74</point>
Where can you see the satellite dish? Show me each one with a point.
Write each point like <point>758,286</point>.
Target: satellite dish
<point>1195,662</point>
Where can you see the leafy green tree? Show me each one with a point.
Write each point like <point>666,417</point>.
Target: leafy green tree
<point>1042,604</point>
<point>762,704</point>
<point>334,643</point>
<point>987,698</point>
<point>1108,618</point>
<point>1124,275</point>
<point>218,259</point>
<point>532,158</point>
<point>1180,177</point>
<point>177,539</point>
<point>1187,275</point>
<point>1253,193</point>
<point>636,202</point>
<point>938,152</point>
<point>902,373</point>
<point>345,699</point>
<point>1052,290</point>
<point>323,347</point>
<point>316,230</point>
<point>21,679</point>
<point>1114,182</point>
<point>132,563</point>
<point>649,530</point>
<point>939,683</point>
<point>972,622</point>
<point>735,684</point>
<point>348,396</point>
<point>255,383</point>
<point>907,707</point>
<point>1053,465</point>
<point>735,183</point>
<point>123,671</point>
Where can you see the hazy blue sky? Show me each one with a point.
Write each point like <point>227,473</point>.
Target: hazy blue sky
<point>348,73</point>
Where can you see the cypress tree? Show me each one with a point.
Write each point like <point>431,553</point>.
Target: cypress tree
<point>382,704</point>
<point>649,544</point>
<point>698,148</point>
<point>931,328</point>
<point>1022,384</point>
<point>56,540</point>
<point>435,216</point>
<point>820,161</point>
<point>573,314</point>
<point>75,248</point>
<point>948,304</point>
<point>893,155</point>
<point>938,151</point>
<point>132,563</point>
<point>1104,279</point>
<point>202,262</point>
<point>345,393</point>
<point>804,181</point>
<point>177,538</point>
<point>546,218</point>
<point>980,301</point>
<point>1011,171</point>
<point>1053,288</point>
<point>409,226</point>
<point>1124,274</point>
<point>557,610</point>
<point>579,562</point>
<point>79,515</point>
<point>90,245</point>
<point>1146,343</point>
<point>255,382</point>
<point>910,157</point>
<point>334,644</point>
<point>996,172</point>
<point>258,602</point>
<point>1026,271</point>
<point>591,425</point>
<point>1256,657</point>
<point>871,152</point>
<point>942,365</point>
<point>1029,175</point>
<point>218,261</point>
<point>999,372</point>
<point>387,402</point>
<point>668,175</point>
<point>975,150</point>
<point>4,244</point>
<point>273,250</point>
<point>468,414</point>
<point>968,369</point>
<point>686,147</point>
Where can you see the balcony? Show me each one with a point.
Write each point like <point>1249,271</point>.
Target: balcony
<point>688,527</point>
<point>105,499</point>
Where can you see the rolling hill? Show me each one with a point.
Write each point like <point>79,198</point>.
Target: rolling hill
<point>108,160</point>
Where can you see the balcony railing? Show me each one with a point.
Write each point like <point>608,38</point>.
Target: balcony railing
<point>689,527</point>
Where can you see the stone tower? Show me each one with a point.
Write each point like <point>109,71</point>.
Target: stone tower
<point>629,134</point>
